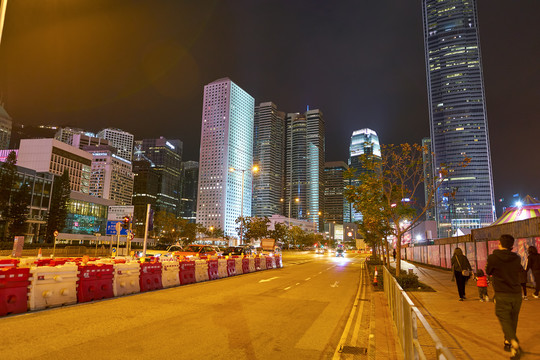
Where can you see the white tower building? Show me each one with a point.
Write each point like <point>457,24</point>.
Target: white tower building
<point>226,144</point>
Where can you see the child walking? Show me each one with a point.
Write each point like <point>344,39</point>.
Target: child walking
<point>482,285</point>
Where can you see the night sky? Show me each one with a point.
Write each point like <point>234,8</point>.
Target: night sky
<point>141,66</point>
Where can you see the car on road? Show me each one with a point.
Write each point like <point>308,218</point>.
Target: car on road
<point>163,250</point>
<point>238,250</point>
<point>340,252</point>
<point>194,250</point>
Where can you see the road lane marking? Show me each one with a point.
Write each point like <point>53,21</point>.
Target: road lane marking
<point>267,280</point>
<point>287,288</point>
<point>308,279</point>
<point>342,341</point>
<point>334,285</point>
<point>320,272</point>
<point>297,284</point>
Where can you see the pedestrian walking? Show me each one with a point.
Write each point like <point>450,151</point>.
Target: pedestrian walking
<point>523,282</point>
<point>504,266</point>
<point>461,271</point>
<point>482,285</point>
<point>533,264</point>
<point>394,254</point>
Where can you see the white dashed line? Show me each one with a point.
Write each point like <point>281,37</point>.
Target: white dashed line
<point>297,284</point>
<point>308,279</point>
<point>287,288</point>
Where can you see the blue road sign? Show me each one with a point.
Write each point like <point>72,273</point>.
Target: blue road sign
<point>111,228</point>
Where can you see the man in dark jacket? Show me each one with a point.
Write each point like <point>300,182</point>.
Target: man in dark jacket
<point>504,267</point>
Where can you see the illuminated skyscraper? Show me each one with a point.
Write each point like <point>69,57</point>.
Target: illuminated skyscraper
<point>363,142</point>
<point>458,119</point>
<point>226,144</point>
<point>304,166</point>
<point>268,155</point>
<point>335,206</point>
<point>121,140</point>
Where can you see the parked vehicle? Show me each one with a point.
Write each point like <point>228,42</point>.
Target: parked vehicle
<point>238,250</point>
<point>198,250</point>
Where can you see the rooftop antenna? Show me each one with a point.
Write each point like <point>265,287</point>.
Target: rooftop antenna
<point>307,109</point>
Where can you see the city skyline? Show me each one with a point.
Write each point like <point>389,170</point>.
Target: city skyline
<point>378,84</point>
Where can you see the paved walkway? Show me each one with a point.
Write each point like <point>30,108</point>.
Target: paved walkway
<point>470,328</point>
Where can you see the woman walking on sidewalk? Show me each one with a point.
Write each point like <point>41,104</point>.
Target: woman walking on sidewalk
<point>461,271</point>
<point>533,264</point>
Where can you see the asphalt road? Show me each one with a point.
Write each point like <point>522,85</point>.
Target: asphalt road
<point>298,312</point>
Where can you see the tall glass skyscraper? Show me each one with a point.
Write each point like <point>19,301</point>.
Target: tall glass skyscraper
<point>269,156</point>
<point>363,142</point>
<point>457,112</point>
<point>304,166</point>
<point>226,143</point>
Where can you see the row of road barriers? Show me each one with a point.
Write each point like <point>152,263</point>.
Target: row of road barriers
<point>405,315</point>
<point>35,284</point>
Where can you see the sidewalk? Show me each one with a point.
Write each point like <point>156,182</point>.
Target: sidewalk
<point>469,328</point>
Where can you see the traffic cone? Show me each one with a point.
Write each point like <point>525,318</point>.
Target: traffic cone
<point>375,281</point>
<point>39,254</point>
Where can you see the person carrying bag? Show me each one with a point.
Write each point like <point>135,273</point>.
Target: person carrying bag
<point>461,269</point>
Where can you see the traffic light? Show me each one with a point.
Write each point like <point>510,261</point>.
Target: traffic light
<point>125,222</point>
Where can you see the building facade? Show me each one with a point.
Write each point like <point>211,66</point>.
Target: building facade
<point>335,205</point>
<point>226,156</point>
<point>53,156</point>
<point>428,179</point>
<point>304,166</point>
<point>111,176</point>
<point>6,124</point>
<point>165,155</point>
<point>457,111</point>
<point>269,157</point>
<point>364,142</point>
<point>145,191</point>
<point>121,140</point>
<point>86,214</point>
<point>190,178</point>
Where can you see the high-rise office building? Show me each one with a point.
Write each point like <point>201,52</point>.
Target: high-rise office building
<point>269,156</point>
<point>145,191</point>
<point>6,124</point>
<point>226,156</point>
<point>190,178</point>
<point>363,142</point>
<point>121,140</point>
<point>335,204</point>
<point>457,112</point>
<point>79,138</point>
<point>111,177</point>
<point>304,166</point>
<point>165,156</point>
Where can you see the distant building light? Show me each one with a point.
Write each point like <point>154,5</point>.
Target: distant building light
<point>170,145</point>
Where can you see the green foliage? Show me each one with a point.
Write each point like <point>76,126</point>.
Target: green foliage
<point>280,233</point>
<point>386,192</point>
<point>408,281</point>
<point>56,218</point>
<point>18,211</point>
<point>252,228</point>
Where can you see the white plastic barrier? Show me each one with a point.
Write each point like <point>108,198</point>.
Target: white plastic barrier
<point>222,268</point>
<point>201,270</point>
<point>27,262</point>
<point>52,286</point>
<point>238,266</point>
<point>263,262</point>
<point>251,264</point>
<point>273,262</point>
<point>126,278</point>
<point>170,272</point>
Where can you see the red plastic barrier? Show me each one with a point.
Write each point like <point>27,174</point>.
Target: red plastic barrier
<point>231,267</point>
<point>8,263</point>
<point>14,290</point>
<point>51,262</point>
<point>257,263</point>
<point>245,265</point>
<point>150,278</point>
<point>95,282</point>
<point>278,261</point>
<point>269,263</point>
<point>187,272</point>
<point>212,269</point>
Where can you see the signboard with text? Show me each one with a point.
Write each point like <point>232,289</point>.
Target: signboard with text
<point>111,228</point>
<point>118,212</point>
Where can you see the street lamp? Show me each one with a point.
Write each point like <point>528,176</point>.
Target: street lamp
<point>254,169</point>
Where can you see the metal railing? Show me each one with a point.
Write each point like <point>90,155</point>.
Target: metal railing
<point>405,315</point>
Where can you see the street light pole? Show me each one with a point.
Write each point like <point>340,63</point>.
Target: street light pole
<point>3,6</point>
